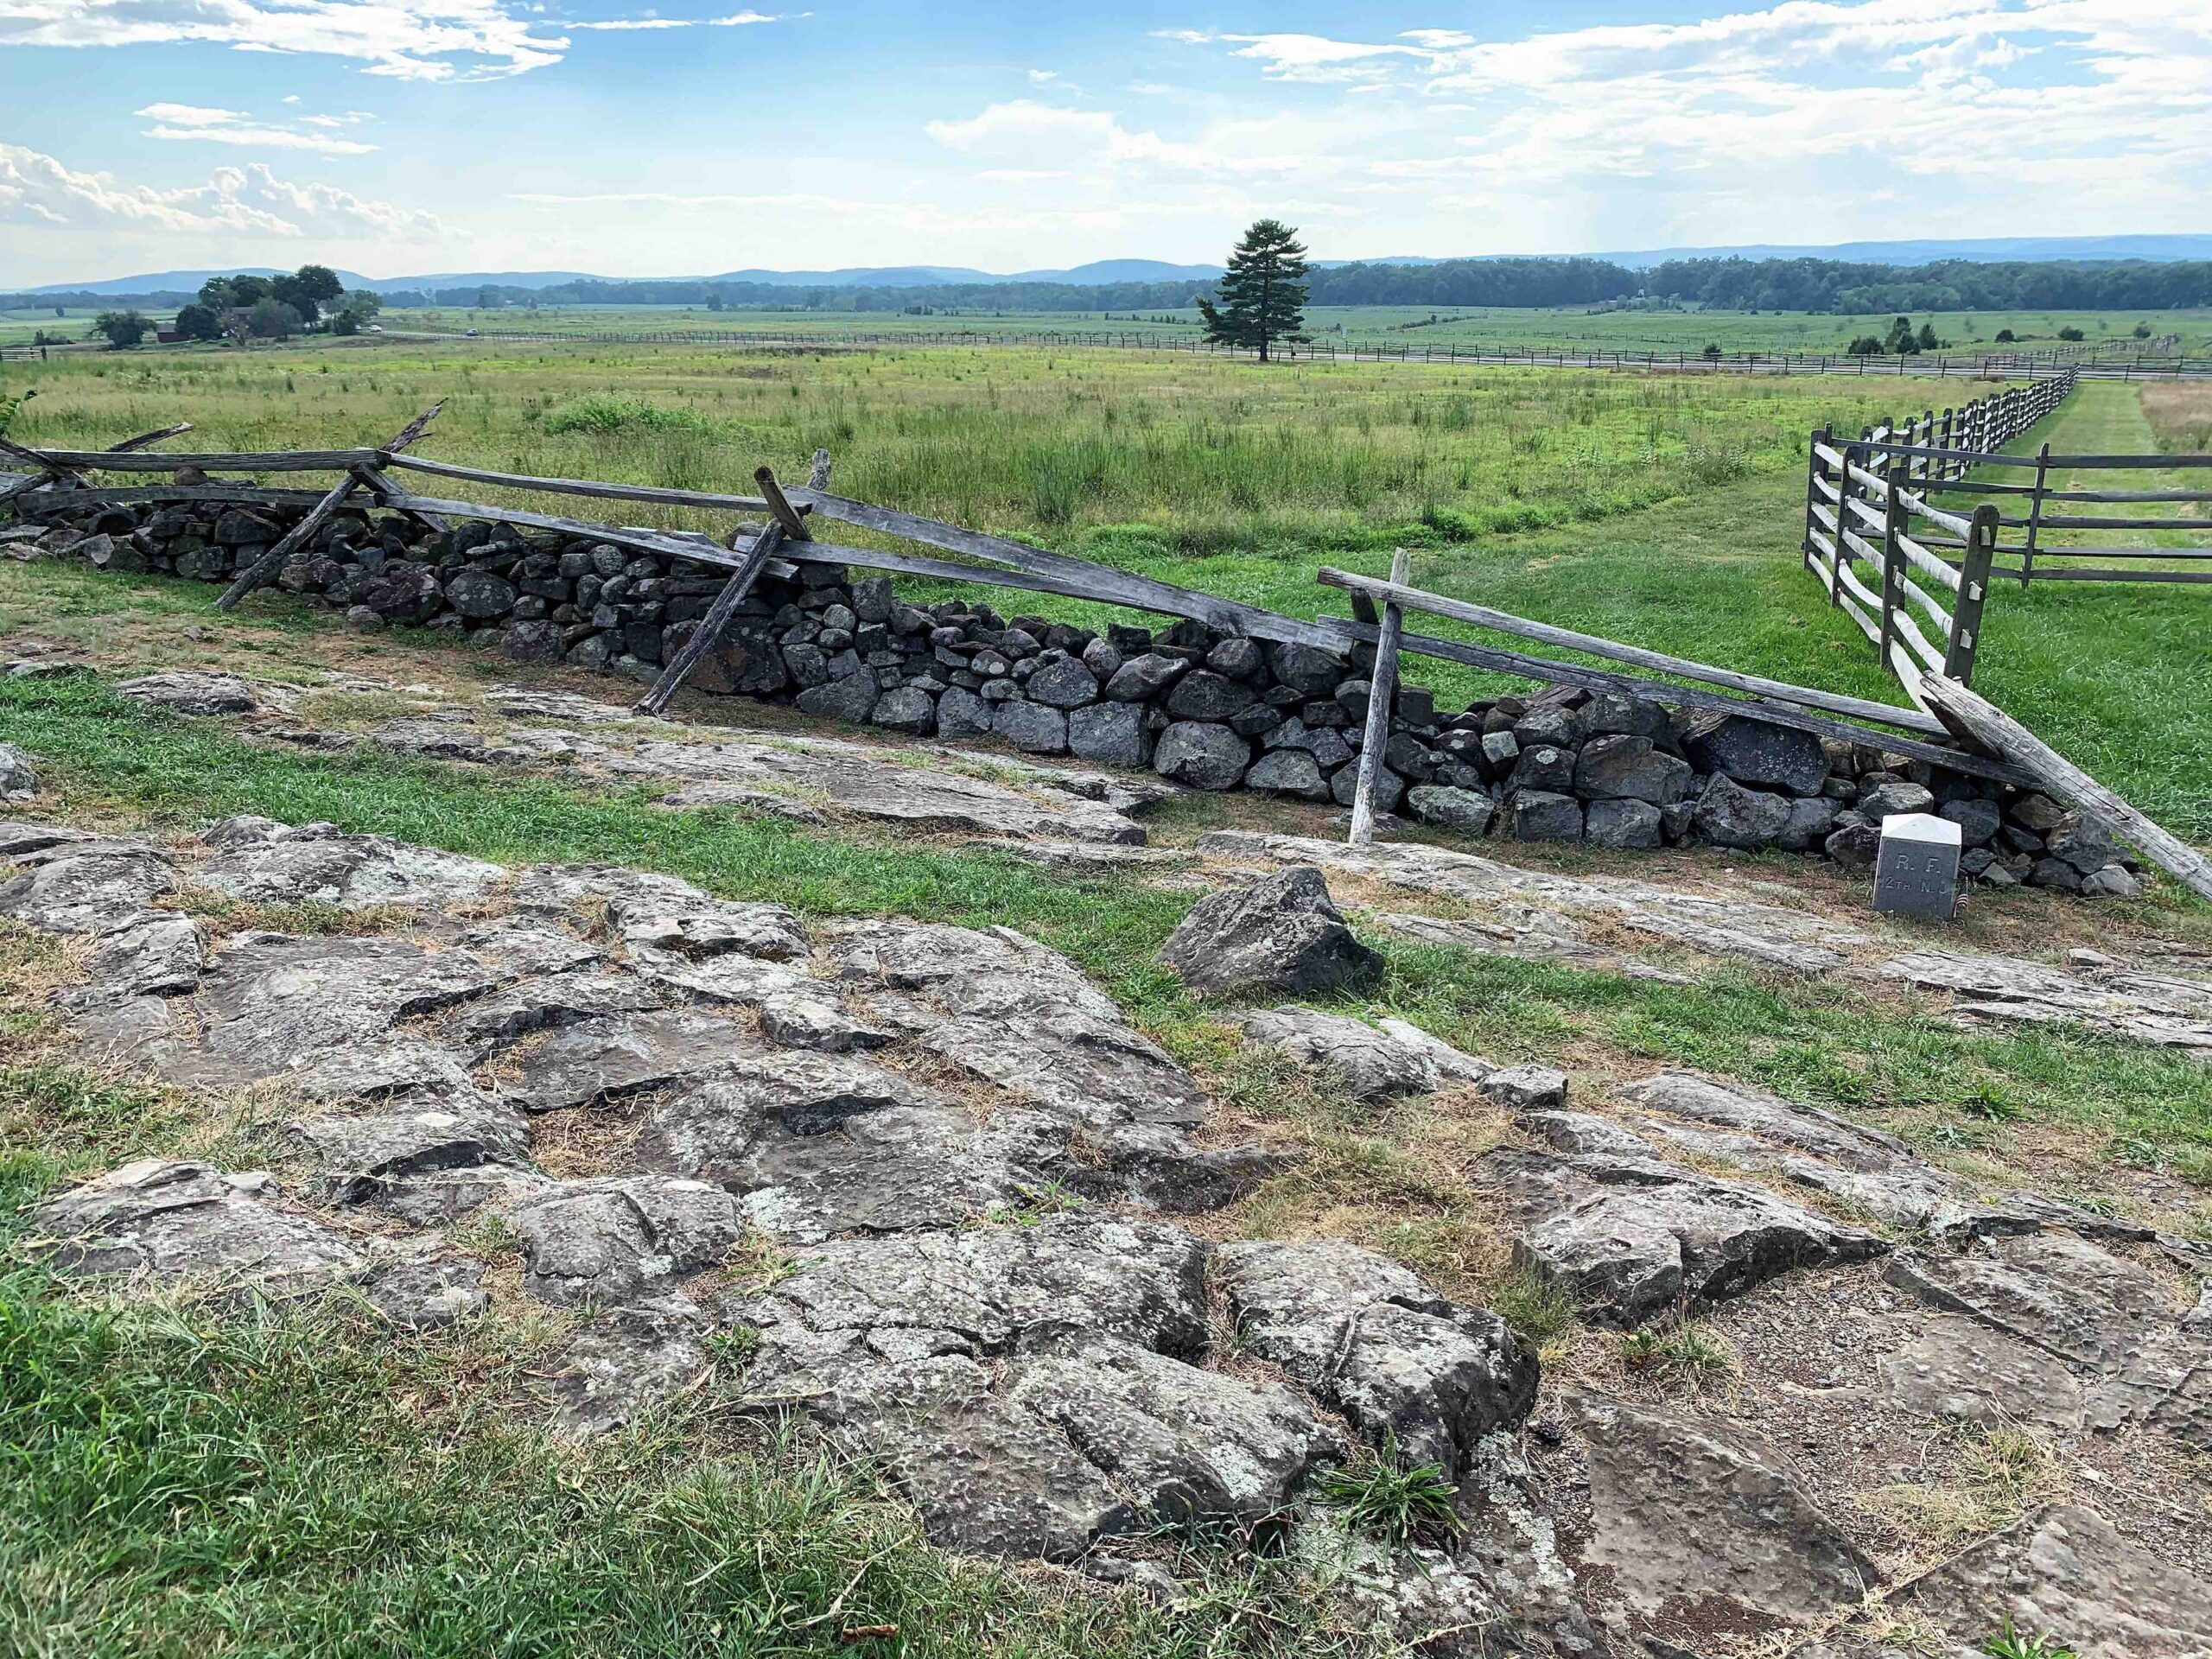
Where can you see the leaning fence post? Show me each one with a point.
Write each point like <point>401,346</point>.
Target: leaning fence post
<point>1893,527</point>
<point>1382,692</point>
<point>1973,591</point>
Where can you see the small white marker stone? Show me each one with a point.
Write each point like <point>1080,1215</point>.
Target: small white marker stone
<point>1917,871</point>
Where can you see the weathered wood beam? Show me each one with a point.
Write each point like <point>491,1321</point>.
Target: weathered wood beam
<point>584,486</point>
<point>1505,622</point>
<point>1381,694</point>
<point>792,520</point>
<point>1978,720</point>
<point>53,475</point>
<point>711,626</point>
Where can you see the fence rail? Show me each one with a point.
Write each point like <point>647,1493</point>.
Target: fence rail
<point>1891,558</point>
<point>2061,362</point>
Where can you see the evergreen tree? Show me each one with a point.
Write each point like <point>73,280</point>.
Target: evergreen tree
<point>1263,295</point>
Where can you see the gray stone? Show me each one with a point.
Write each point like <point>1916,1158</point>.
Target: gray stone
<point>480,594</point>
<point>1622,767</point>
<point>1279,934</point>
<point>319,863</point>
<point>1752,752</point>
<point>612,1055</point>
<point>1032,726</point>
<point>1526,1088</point>
<point>2083,842</point>
<point>1141,678</point>
<point>1379,1062</point>
<point>1728,815</point>
<point>1544,768</point>
<point>1306,668</point>
<point>1204,695</point>
<point>429,1291</point>
<point>1885,800</point>
<point>1373,1341</point>
<point>1501,749</point>
<point>905,710</point>
<point>534,641</point>
<point>1204,756</point>
<point>1065,684</point>
<point>359,1154</point>
<point>2057,1292</point>
<point>851,699</point>
<point>1288,771</point>
<point>1455,809</point>
<point>962,714</point>
<point>177,1220</point>
<point>2112,881</point>
<point>610,1370</point>
<point>97,889</point>
<point>609,1241</point>
<point>1109,734</point>
<point>1811,821</point>
<point>1539,815</point>
<point>1389,788</point>
<point>1978,821</point>
<point>1620,823</point>
<point>188,692</point>
<point>1856,844</point>
<point>2065,1574</point>
<point>18,778</point>
<point>1686,1510</point>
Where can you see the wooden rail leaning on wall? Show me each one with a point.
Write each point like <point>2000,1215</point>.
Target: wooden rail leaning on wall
<point>1995,748</point>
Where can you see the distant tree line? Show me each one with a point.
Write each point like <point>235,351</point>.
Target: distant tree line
<point>244,308</point>
<point>1815,285</point>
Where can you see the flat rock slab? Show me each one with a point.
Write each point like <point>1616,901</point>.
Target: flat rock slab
<point>608,1243</point>
<point>1534,900</point>
<point>317,863</point>
<point>2067,1574</point>
<point>613,1368</point>
<point>1383,1061</point>
<point>90,887</point>
<point>1629,1235</point>
<point>188,691</point>
<point>171,1219</point>
<point>2163,1010</point>
<point>879,784</point>
<point>1686,1512</point>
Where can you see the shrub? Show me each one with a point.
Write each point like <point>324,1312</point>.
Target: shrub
<point>1388,1500</point>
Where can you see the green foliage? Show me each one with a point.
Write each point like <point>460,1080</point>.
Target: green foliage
<point>2071,335</point>
<point>1399,1503</point>
<point>122,329</point>
<point>2007,337</point>
<point>1261,295</point>
<point>608,415</point>
<point>2010,1644</point>
<point>199,322</point>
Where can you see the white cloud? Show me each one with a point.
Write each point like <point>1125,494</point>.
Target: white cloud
<point>196,124</point>
<point>411,40</point>
<point>735,20</point>
<point>249,201</point>
<point>1043,76</point>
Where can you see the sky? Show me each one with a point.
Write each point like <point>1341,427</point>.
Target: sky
<point>406,136</point>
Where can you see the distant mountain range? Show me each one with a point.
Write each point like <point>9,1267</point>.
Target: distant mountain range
<point>2155,249</point>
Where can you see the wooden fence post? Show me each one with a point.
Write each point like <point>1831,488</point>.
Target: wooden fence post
<point>1382,693</point>
<point>1892,556</point>
<point>1973,590</point>
<point>2035,517</point>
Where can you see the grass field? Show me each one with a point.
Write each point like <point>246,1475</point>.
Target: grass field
<point>1564,327</point>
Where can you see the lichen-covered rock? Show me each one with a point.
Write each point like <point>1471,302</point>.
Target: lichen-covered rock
<point>18,778</point>
<point>1751,751</point>
<point>1371,1340</point>
<point>1203,755</point>
<point>186,691</point>
<point>623,1363</point>
<point>319,863</point>
<point>175,1220</point>
<point>1282,934</point>
<point>1728,815</point>
<point>1376,1062</point>
<point>85,886</point>
<point>605,1243</point>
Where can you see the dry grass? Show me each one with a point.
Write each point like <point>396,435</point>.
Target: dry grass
<point>2180,412</point>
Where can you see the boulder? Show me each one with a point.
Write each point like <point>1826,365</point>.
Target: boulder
<point>1753,752</point>
<point>1288,771</point>
<point>961,714</point>
<point>1031,727</point>
<point>903,709</point>
<point>1622,767</point>
<point>1064,685</point>
<point>1539,814</point>
<point>186,691</point>
<point>1306,669</point>
<point>1811,821</point>
<point>1373,1341</point>
<point>1109,734</point>
<point>1280,934</point>
<point>1203,755</point>
<point>1389,788</point>
<point>1622,822</point>
<point>533,642</point>
<point>851,699</point>
<point>1889,799</point>
<point>1141,678</point>
<point>1728,815</point>
<point>1978,821</point>
<point>1455,809</point>
<point>18,778</point>
<point>480,594</point>
<point>1204,695</point>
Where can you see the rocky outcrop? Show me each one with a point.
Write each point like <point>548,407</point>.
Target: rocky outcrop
<point>1281,935</point>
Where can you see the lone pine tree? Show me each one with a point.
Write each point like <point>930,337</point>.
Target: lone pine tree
<point>1263,295</point>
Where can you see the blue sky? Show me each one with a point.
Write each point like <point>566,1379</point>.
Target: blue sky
<point>700,136</point>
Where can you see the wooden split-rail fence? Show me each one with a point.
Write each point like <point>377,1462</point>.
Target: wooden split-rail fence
<point>1914,574</point>
<point>795,515</point>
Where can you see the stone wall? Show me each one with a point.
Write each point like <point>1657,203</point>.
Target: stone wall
<point>1209,711</point>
